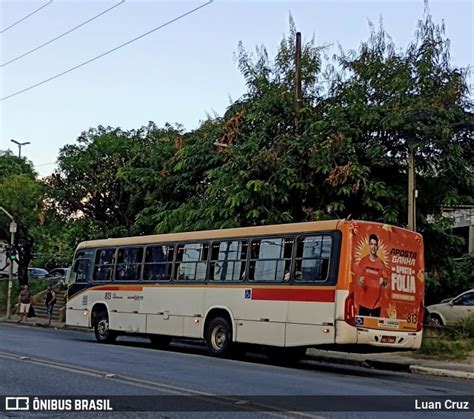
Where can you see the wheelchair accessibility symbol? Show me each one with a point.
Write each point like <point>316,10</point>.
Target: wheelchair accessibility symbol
<point>248,294</point>
<point>359,321</point>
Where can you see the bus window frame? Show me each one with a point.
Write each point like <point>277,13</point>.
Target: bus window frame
<point>246,261</point>
<point>334,259</point>
<point>114,258</point>
<point>160,281</point>
<point>141,264</point>
<point>250,260</point>
<point>87,275</point>
<point>176,280</point>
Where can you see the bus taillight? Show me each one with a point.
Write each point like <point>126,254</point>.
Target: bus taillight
<point>349,310</point>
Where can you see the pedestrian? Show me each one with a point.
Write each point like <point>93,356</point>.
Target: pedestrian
<point>49,302</point>
<point>24,301</point>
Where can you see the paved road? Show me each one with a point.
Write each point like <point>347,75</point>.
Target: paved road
<point>60,362</point>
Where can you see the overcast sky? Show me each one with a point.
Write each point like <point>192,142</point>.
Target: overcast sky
<point>176,74</point>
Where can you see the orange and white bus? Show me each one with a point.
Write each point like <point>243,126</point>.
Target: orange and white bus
<point>288,286</point>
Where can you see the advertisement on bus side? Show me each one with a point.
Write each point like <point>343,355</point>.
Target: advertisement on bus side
<point>387,277</point>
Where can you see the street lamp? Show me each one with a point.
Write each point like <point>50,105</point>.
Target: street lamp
<point>20,145</point>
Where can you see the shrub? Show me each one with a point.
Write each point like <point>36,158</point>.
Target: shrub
<point>444,348</point>
<point>464,328</point>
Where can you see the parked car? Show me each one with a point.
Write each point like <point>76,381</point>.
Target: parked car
<point>58,272</point>
<point>37,273</point>
<point>452,310</point>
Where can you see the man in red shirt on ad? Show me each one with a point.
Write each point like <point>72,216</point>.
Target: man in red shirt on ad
<point>372,278</point>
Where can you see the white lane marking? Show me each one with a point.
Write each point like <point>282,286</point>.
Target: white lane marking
<point>152,385</point>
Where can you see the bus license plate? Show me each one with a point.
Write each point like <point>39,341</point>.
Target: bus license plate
<point>388,339</point>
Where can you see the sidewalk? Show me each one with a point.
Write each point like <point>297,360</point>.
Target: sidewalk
<point>399,361</point>
<point>389,361</point>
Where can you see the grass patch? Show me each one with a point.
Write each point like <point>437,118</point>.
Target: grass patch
<point>449,342</point>
<point>442,348</point>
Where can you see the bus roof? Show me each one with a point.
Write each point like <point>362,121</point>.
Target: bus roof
<point>308,227</point>
<point>229,233</point>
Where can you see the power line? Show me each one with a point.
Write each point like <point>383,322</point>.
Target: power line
<point>27,16</point>
<point>46,164</point>
<point>62,35</point>
<point>107,52</point>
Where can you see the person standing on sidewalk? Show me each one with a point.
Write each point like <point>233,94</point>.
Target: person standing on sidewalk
<point>24,302</point>
<point>49,302</point>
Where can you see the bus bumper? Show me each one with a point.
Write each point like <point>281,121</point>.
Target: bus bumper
<point>347,334</point>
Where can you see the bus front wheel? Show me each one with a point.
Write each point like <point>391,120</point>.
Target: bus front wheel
<point>102,331</point>
<point>219,337</point>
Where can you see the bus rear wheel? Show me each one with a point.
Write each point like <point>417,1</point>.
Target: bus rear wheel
<point>102,331</point>
<point>218,336</point>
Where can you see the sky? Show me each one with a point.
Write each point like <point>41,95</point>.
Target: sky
<point>177,74</point>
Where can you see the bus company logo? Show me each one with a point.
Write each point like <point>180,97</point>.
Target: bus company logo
<point>17,403</point>
<point>359,321</point>
<point>248,294</point>
<point>389,323</point>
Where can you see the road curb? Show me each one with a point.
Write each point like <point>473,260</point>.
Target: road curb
<point>364,363</point>
<point>415,369</point>
<point>393,366</point>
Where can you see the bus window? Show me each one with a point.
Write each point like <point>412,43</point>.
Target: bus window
<point>80,271</point>
<point>158,263</point>
<point>228,260</point>
<point>191,262</point>
<point>104,260</point>
<point>129,262</point>
<point>313,254</point>
<point>270,259</point>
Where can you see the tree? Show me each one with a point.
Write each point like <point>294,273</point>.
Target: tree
<point>21,195</point>
<point>86,183</point>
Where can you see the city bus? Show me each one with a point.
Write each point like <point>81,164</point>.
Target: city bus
<point>285,287</point>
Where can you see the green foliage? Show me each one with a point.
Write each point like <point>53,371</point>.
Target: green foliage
<point>22,196</point>
<point>445,349</point>
<point>449,278</point>
<point>464,328</point>
<point>11,165</point>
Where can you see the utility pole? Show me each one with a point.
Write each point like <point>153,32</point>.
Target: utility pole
<point>298,79</point>
<point>411,190</point>
<point>13,227</point>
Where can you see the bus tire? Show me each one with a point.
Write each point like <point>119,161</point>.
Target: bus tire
<point>218,336</point>
<point>160,341</point>
<point>102,332</point>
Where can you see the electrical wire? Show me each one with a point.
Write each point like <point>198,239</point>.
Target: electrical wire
<point>46,164</point>
<point>107,52</point>
<point>26,17</point>
<point>62,35</point>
